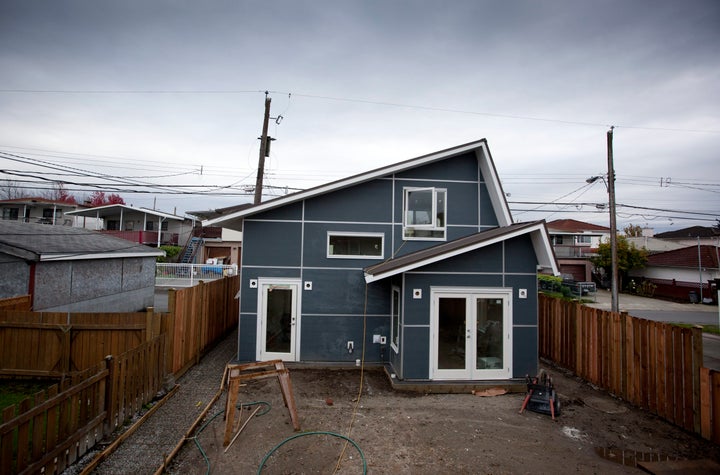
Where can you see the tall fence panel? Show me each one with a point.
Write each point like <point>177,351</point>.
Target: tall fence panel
<point>23,302</point>
<point>54,344</point>
<point>199,316</point>
<point>653,365</point>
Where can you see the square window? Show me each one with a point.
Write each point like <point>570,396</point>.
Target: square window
<point>424,213</point>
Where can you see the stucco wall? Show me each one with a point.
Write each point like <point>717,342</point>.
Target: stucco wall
<point>15,275</point>
<point>103,285</point>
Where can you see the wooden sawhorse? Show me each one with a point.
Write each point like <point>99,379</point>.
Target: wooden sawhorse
<point>237,373</point>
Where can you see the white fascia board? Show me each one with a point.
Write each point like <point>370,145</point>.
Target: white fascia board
<point>99,255</point>
<point>346,182</point>
<point>495,190</point>
<point>537,229</point>
<point>544,251</point>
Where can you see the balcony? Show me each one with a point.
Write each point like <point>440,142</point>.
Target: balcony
<point>565,251</point>
<point>149,238</point>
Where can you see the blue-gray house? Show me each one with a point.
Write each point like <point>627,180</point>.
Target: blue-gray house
<point>417,265</point>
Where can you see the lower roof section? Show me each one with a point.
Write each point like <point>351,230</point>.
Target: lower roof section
<point>408,262</point>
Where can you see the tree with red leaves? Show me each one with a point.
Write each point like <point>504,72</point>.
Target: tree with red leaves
<point>98,198</point>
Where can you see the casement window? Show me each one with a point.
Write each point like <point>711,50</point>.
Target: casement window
<point>350,245</point>
<point>424,213</point>
<point>395,320</point>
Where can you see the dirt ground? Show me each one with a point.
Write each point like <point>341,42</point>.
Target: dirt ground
<point>394,432</point>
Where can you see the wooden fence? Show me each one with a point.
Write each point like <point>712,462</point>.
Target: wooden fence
<point>201,315</point>
<point>654,365</point>
<point>54,428</point>
<point>24,302</point>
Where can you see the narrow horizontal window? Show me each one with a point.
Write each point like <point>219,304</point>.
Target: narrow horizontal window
<point>355,245</point>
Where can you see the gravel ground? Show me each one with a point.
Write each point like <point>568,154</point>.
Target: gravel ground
<point>143,451</point>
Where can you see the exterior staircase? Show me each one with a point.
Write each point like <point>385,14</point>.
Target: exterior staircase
<point>191,248</point>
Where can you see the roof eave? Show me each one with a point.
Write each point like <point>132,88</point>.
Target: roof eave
<point>226,221</point>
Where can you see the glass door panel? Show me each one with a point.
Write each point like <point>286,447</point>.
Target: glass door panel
<point>452,322</point>
<point>490,335</point>
<point>279,319</point>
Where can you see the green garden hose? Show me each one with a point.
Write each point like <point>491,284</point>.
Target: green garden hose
<point>303,434</point>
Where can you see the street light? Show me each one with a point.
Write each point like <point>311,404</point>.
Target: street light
<point>610,185</point>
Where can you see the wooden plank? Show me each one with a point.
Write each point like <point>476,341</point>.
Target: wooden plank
<point>697,363</point>
<point>22,458</point>
<point>6,443</point>
<point>689,405</point>
<point>38,428</point>
<point>715,406</point>
<point>679,380</point>
<point>661,361</point>
<point>52,420</point>
<point>705,403</point>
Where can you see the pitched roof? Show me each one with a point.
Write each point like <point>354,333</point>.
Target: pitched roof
<point>115,209</point>
<point>218,212</point>
<point>574,226</point>
<point>423,257</point>
<point>480,147</point>
<point>692,231</point>
<point>41,242</point>
<point>686,257</point>
<point>29,200</point>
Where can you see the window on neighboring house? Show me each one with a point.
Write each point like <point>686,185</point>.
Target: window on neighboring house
<point>584,239</point>
<point>113,225</point>
<point>164,226</point>
<point>149,225</point>
<point>10,213</point>
<point>424,212</point>
<point>395,320</point>
<point>557,240</point>
<point>48,213</point>
<point>355,245</point>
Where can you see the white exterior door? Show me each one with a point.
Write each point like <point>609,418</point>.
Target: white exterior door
<point>471,334</point>
<point>278,323</point>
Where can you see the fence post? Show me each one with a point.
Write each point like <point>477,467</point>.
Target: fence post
<point>110,394</point>
<point>149,323</point>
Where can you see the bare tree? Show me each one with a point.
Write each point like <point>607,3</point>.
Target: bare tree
<point>10,190</point>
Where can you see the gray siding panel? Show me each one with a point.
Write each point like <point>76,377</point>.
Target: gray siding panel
<point>525,351</point>
<point>461,167</point>
<point>272,243</point>
<point>15,276</point>
<point>520,255</point>
<point>324,338</point>
<point>524,310</point>
<point>366,202</point>
<point>342,292</point>
<point>291,211</point>
<point>247,337</point>
<point>416,360</point>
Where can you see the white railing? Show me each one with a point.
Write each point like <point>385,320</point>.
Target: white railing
<point>187,275</point>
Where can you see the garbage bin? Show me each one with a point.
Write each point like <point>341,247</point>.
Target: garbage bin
<point>694,297</point>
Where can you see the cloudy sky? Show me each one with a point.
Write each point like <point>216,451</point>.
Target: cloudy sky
<point>143,96</point>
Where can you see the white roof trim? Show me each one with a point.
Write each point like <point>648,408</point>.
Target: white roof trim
<point>496,195</point>
<point>539,237</point>
<point>92,212</point>
<point>98,255</point>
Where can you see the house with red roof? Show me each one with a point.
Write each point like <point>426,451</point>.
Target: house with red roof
<point>574,242</point>
<point>680,272</point>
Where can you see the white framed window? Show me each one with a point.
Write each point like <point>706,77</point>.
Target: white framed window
<point>395,319</point>
<point>352,245</point>
<point>424,213</point>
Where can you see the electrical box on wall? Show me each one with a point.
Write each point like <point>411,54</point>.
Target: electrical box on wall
<point>307,285</point>
<point>253,283</point>
<point>522,293</point>
<point>417,293</point>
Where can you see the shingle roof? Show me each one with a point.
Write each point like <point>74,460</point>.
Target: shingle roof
<point>686,257</point>
<point>574,226</point>
<point>692,231</point>
<point>462,245</point>
<point>43,242</point>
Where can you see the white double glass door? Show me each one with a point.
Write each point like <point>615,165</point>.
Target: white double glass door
<point>471,334</point>
<point>278,305</point>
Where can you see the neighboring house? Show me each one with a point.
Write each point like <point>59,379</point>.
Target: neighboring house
<point>68,269</point>
<point>140,225</point>
<point>416,265</point>
<point>574,242</point>
<point>693,236</point>
<point>680,272</point>
<point>219,243</point>
<point>44,211</point>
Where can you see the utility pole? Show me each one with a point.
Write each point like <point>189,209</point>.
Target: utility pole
<point>613,225</point>
<point>263,152</point>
